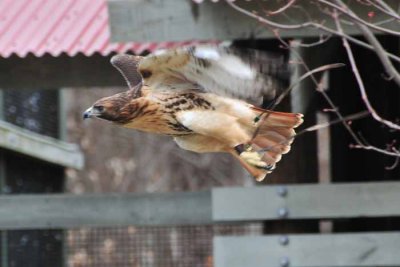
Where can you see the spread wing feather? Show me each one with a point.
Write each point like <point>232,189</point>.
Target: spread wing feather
<point>127,65</point>
<point>244,74</point>
<point>226,71</point>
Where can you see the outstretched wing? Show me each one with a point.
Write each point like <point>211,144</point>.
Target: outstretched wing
<point>127,65</point>
<point>244,74</point>
<point>226,71</point>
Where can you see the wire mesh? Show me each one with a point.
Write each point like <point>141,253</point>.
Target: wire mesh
<point>37,111</point>
<point>34,110</point>
<point>34,248</point>
<point>180,246</point>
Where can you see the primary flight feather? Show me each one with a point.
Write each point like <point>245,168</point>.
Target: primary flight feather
<point>201,96</point>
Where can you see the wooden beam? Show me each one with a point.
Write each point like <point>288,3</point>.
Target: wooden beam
<point>165,20</point>
<point>219,205</point>
<point>367,249</point>
<point>68,211</point>
<point>38,146</point>
<point>49,72</point>
<point>307,201</point>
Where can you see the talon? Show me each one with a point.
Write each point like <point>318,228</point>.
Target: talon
<point>255,159</point>
<point>269,167</point>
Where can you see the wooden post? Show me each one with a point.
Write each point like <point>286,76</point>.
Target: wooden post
<point>3,234</point>
<point>324,152</point>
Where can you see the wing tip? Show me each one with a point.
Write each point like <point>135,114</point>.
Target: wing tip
<point>121,59</point>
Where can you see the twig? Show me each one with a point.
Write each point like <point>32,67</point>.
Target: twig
<point>319,42</point>
<point>356,116</point>
<point>275,26</point>
<point>377,149</point>
<point>327,99</point>
<point>307,25</point>
<point>279,99</point>
<point>385,8</point>
<point>395,163</point>
<point>379,50</point>
<point>304,76</point>
<point>346,11</point>
<point>361,86</point>
<point>282,9</point>
<point>322,92</point>
<point>359,142</point>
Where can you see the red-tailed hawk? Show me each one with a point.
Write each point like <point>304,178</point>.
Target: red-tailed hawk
<point>201,97</point>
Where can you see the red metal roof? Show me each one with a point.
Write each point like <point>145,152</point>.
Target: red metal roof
<point>62,26</point>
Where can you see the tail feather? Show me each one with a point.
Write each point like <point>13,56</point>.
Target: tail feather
<point>274,137</point>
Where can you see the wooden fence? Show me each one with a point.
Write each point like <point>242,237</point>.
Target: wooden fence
<point>334,201</point>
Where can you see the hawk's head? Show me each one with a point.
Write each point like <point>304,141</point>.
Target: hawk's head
<point>118,108</point>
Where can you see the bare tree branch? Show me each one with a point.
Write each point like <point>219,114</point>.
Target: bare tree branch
<point>283,8</point>
<point>346,11</point>
<point>359,143</point>
<point>395,153</point>
<point>279,99</point>
<point>321,40</point>
<point>379,50</point>
<point>385,8</point>
<point>318,26</point>
<point>385,57</point>
<point>395,163</point>
<point>360,82</point>
<point>352,117</point>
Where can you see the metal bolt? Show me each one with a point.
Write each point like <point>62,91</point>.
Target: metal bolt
<point>282,191</point>
<point>284,262</point>
<point>284,240</point>
<point>283,212</point>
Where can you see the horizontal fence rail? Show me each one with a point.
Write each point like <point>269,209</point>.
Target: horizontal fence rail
<point>69,211</point>
<point>189,208</point>
<point>330,201</point>
<point>370,249</point>
<point>42,147</point>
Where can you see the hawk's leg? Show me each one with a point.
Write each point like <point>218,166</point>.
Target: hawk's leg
<point>220,126</point>
<point>226,129</point>
<point>200,143</point>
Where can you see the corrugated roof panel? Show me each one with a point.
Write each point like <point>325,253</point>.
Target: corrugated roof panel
<point>40,40</point>
<point>67,26</point>
<point>28,40</point>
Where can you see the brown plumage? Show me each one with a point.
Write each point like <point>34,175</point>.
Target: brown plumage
<point>170,94</point>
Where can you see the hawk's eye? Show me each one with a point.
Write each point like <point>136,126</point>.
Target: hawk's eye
<point>145,73</point>
<point>99,108</point>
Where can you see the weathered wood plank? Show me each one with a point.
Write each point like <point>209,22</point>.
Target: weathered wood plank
<point>49,72</point>
<point>162,20</point>
<point>68,211</point>
<point>307,201</point>
<point>39,146</point>
<point>367,249</point>
<point>223,204</point>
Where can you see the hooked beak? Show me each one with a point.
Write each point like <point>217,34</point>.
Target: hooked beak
<point>88,113</point>
<point>91,112</point>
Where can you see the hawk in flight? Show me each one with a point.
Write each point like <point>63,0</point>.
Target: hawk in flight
<point>206,98</point>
